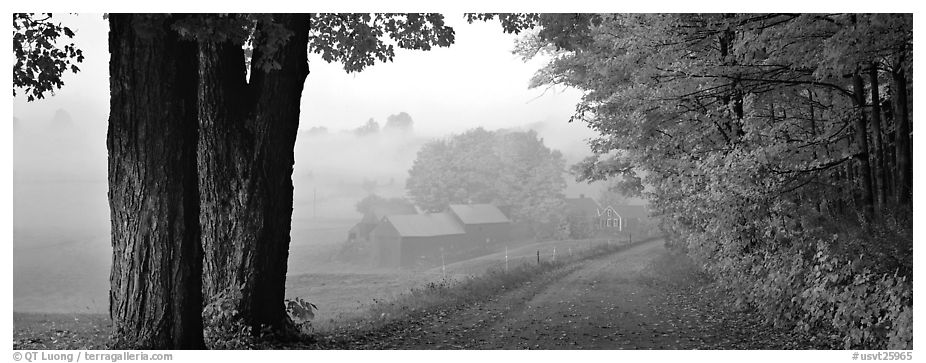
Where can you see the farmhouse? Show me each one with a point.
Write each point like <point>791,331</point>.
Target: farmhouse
<point>407,240</point>
<point>621,218</point>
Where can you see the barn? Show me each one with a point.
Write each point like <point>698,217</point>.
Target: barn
<point>409,240</point>
<point>483,223</point>
<point>370,219</point>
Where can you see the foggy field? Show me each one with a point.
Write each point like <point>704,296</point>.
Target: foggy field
<point>62,253</point>
<point>61,247</point>
<point>61,222</point>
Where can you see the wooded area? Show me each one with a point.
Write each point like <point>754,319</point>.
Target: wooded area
<point>776,148</point>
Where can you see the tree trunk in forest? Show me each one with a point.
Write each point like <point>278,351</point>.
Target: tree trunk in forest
<point>733,99</point>
<point>861,142</point>
<point>902,147</point>
<point>877,144</point>
<point>246,164</point>
<point>155,293</point>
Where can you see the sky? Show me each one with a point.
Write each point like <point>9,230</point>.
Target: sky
<point>475,82</point>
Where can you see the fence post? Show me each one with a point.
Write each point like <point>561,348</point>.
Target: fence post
<point>554,254</point>
<point>538,257</point>
<point>506,259</point>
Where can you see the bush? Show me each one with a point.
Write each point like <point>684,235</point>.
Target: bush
<point>222,327</point>
<point>811,287</point>
<point>302,313</point>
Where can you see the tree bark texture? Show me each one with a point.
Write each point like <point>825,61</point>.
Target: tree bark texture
<point>245,153</point>
<point>155,293</point>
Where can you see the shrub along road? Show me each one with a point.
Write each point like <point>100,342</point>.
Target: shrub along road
<point>644,297</point>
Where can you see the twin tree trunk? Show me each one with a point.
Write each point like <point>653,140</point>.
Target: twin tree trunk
<point>200,175</point>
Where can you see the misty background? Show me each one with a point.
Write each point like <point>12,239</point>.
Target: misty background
<point>61,242</point>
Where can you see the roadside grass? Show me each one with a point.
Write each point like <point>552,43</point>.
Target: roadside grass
<point>340,296</point>
<point>438,296</point>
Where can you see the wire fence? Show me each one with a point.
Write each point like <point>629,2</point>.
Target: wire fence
<point>541,252</point>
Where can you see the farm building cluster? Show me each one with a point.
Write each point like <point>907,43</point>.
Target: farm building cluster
<point>396,235</point>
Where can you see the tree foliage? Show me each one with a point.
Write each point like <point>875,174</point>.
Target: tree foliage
<point>368,203</point>
<point>750,134</point>
<point>359,40</point>
<point>371,127</point>
<point>400,122</point>
<point>40,61</point>
<point>355,40</point>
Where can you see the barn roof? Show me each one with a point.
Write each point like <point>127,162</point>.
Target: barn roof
<point>425,225</point>
<point>581,206</point>
<point>478,213</point>
<point>629,211</point>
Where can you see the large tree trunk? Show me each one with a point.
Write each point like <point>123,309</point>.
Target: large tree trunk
<point>155,294</point>
<point>246,163</point>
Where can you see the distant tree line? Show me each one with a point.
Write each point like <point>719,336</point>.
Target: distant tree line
<point>400,123</point>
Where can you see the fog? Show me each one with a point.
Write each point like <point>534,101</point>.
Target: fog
<point>60,210</point>
<point>61,216</point>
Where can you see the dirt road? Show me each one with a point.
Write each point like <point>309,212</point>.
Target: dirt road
<point>639,298</point>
